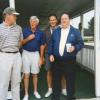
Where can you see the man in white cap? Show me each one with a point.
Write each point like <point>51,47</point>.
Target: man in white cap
<point>10,58</point>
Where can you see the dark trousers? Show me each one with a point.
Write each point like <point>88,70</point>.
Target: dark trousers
<point>67,69</point>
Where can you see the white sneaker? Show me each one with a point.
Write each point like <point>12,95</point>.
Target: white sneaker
<point>9,95</point>
<point>25,97</point>
<point>37,95</point>
<point>49,92</point>
<point>64,92</point>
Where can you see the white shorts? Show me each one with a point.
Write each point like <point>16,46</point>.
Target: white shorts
<point>31,62</point>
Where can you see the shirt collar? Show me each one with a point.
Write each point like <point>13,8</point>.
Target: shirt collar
<point>68,28</point>
<point>37,29</point>
<point>5,24</point>
<point>52,28</point>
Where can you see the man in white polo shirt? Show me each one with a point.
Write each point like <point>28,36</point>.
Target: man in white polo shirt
<point>10,58</point>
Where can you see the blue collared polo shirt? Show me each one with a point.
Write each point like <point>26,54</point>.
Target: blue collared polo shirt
<point>33,45</point>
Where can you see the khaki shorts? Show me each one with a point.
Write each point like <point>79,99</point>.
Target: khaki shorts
<point>31,62</point>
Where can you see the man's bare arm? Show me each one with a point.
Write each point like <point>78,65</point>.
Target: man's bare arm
<point>29,38</point>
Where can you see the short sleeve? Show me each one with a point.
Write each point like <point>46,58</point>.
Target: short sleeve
<point>21,33</point>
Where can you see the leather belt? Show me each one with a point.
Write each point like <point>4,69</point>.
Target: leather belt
<point>9,52</point>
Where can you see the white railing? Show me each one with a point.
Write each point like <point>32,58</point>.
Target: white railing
<point>86,58</point>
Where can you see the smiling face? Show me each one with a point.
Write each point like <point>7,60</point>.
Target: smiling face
<point>65,21</point>
<point>53,21</point>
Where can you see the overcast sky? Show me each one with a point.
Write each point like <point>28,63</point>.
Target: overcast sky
<point>86,18</point>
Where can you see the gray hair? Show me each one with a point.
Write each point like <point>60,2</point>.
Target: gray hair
<point>34,18</point>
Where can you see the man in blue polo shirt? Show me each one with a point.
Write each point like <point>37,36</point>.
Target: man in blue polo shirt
<point>32,60</point>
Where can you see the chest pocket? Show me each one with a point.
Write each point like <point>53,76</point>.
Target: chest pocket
<point>71,38</point>
<point>16,34</point>
<point>38,37</point>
